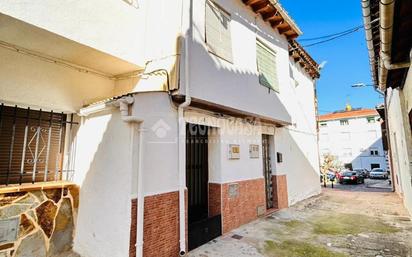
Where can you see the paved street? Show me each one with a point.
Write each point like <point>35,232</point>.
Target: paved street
<point>349,220</point>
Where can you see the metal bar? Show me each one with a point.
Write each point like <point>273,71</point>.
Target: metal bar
<point>70,147</point>
<point>11,145</point>
<point>46,168</point>
<point>1,116</point>
<point>20,117</point>
<point>36,149</point>
<point>59,151</point>
<point>23,155</point>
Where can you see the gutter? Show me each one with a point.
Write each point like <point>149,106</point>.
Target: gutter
<point>386,14</point>
<point>367,23</point>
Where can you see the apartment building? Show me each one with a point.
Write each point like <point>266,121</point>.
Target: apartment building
<point>390,59</point>
<point>148,128</point>
<point>354,137</point>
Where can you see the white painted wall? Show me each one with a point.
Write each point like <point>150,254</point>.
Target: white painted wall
<point>399,104</point>
<point>352,143</point>
<point>103,171</point>
<point>29,81</point>
<point>160,170</point>
<point>111,26</point>
<point>298,142</point>
<point>236,84</point>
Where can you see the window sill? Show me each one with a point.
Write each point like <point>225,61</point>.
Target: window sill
<point>37,186</point>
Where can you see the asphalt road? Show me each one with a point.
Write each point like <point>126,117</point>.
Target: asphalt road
<point>371,185</point>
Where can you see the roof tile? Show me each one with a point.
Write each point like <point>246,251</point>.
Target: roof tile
<point>348,114</point>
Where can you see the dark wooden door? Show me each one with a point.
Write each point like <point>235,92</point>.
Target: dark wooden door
<point>202,228</point>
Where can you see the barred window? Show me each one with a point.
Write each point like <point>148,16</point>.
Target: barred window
<point>31,145</point>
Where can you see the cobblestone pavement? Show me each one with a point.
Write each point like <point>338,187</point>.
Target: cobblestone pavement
<point>349,220</point>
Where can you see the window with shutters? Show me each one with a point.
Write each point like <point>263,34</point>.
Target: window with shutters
<point>218,34</point>
<point>31,145</point>
<point>266,65</point>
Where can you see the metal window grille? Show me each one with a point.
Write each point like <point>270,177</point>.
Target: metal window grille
<point>32,145</point>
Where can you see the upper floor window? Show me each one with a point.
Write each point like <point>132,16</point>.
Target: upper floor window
<point>371,119</point>
<point>374,152</point>
<point>323,124</point>
<point>218,35</point>
<point>266,65</point>
<point>344,122</point>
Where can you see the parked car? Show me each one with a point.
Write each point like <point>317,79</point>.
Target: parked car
<point>379,173</point>
<point>353,177</point>
<point>364,172</point>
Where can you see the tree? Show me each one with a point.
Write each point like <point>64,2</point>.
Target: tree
<point>330,162</point>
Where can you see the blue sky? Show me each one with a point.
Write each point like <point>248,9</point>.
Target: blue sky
<point>347,57</point>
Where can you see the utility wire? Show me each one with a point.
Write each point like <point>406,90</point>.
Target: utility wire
<point>332,35</point>
<point>333,38</point>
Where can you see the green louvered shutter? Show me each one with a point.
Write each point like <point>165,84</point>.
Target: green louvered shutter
<point>218,35</point>
<point>266,64</point>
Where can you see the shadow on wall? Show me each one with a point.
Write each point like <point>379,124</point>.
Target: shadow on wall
<point>365,159</point>
<point>216,80</point>
<point>103,221</point>
<point>300,163</point>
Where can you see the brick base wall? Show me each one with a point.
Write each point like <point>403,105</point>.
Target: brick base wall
<point>161,220</point>
<point>241,208</point>
<point>133,227</point>
<point>280,192</point>
<point>215,199</point>
<point>161,226</point>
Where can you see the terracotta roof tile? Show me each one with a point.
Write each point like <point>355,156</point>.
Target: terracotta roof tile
<point>348,114</point>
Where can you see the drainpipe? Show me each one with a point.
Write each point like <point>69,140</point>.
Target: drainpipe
<point>124,111</point>
<point>182,139</point>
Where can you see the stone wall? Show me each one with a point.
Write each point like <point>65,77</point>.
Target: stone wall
<point>38,222</point>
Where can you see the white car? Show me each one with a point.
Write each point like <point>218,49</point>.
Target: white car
<point>379,173</point>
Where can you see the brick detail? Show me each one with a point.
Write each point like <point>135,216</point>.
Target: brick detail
<point>280,192</point>
<point>161,226</point>
<point>215,199</point>
<point>242,208</point>
<point>133,227</point>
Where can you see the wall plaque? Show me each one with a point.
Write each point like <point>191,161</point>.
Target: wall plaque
<point>254,151</point>
<point>234,152</point>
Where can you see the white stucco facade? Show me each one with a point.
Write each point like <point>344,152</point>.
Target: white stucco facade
<point>357,141</point>
<point>399,105</point>
<point>69,59</point>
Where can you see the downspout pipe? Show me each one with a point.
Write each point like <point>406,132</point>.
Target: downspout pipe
<point>124,104</point>
<point>182,137</point>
